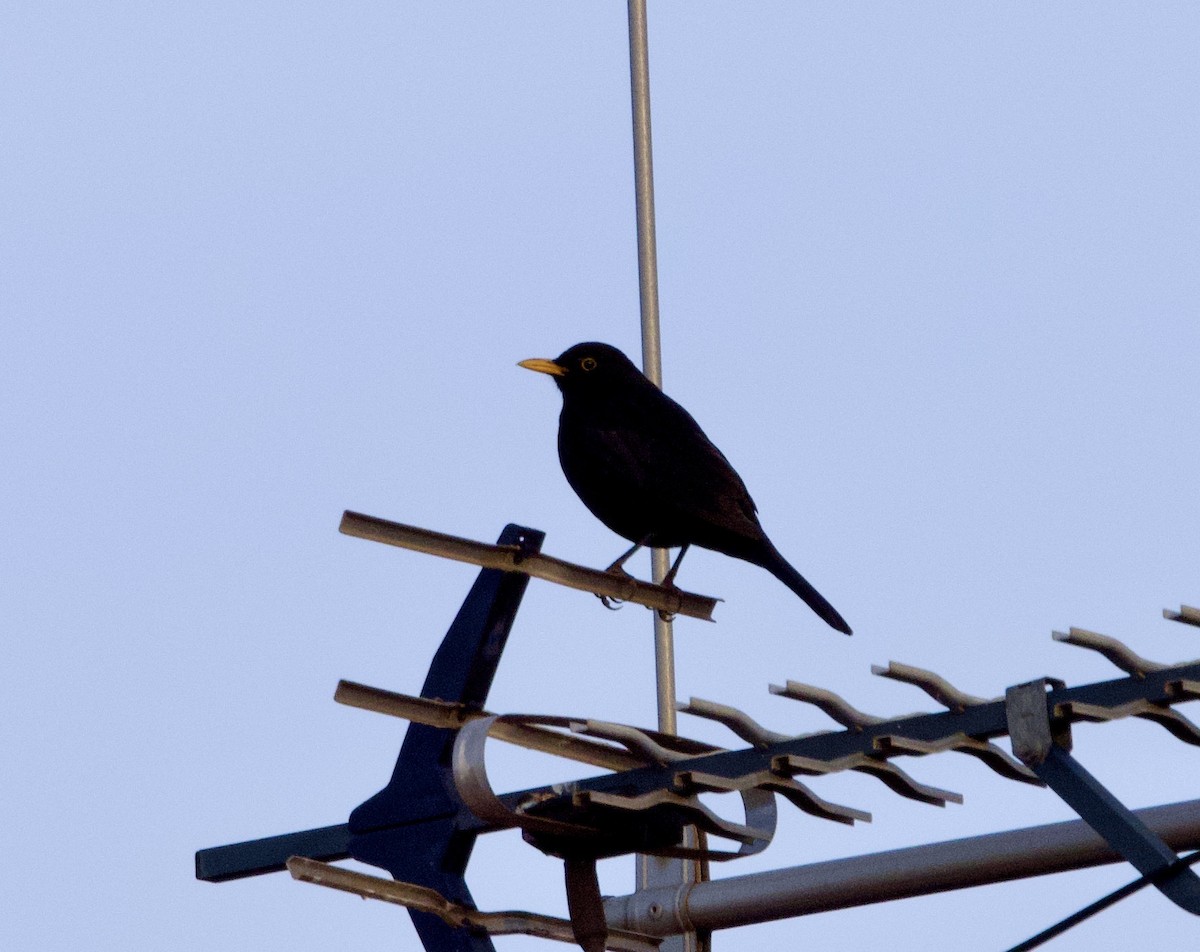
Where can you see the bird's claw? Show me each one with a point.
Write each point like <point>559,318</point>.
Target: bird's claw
<point>617,569</point>
<point>669,584</point>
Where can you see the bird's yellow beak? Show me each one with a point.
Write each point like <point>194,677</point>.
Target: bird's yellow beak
<point>543,366</point>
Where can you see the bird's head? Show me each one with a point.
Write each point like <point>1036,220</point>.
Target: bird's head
<point>588,367</point>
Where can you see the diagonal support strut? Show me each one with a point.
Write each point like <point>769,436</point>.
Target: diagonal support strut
<point>1044,745</point>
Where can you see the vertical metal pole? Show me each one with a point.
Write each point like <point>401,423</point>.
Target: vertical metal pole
<point>652,870</point>
<point>643,172</point>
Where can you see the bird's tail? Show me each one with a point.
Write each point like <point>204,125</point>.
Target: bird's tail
<point>778,566</point>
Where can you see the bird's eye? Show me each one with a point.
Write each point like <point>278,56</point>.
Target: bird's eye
<point>588,363</point>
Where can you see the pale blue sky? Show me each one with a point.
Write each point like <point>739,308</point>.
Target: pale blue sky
<point>928,278</point>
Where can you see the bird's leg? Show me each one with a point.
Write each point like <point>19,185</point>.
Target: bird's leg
<point>669,579</point>
<point>618,568</point>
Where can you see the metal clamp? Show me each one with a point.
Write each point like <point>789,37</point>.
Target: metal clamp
<point>1043,744</point>
<point>590,813</point>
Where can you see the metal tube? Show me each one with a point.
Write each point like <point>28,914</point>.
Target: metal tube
<point>511,558</point>
<point>654,871</point>
<point>643,175</point>
<point>895,874</point>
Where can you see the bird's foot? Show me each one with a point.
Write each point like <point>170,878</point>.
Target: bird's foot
<point>669,584</point>
<point>617,569</point>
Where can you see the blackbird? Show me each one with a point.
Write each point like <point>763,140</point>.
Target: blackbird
<point>645,469</point>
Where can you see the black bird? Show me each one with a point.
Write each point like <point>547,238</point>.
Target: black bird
<point>645,469</point>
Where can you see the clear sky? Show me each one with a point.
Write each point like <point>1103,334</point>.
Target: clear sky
<point>929,278</point>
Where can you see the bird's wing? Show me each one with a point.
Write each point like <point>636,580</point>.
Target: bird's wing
<point>669,458</point>
<point>707,487</point>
